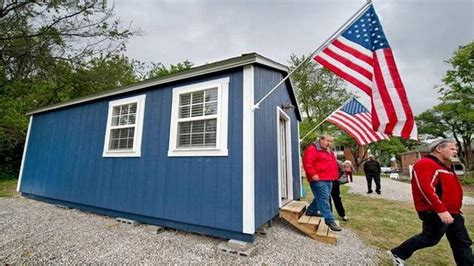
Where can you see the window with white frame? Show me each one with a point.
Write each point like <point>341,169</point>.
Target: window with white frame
<point>199,119</point>
<point>124,127</point>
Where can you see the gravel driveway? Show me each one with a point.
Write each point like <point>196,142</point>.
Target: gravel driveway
<point>37,232</point>
<point>391,189</point>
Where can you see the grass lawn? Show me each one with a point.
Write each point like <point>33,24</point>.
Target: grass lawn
<point>8,185</point>
<point>386,224</point>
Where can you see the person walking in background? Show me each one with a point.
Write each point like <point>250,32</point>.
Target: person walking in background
<point>321,170</point>
<point>437,195</point>
<point>336,194</point>
<point>372,171</point>
<point>348,169</point>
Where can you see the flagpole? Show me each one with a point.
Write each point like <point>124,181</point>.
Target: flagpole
<point>314,128</point>
<point>320,48</point>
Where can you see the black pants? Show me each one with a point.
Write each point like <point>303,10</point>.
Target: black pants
<point>336,197</point>
<point>376,179</point>
<point>433,231</point>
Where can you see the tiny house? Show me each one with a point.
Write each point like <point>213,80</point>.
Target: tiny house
<point>186,151</point>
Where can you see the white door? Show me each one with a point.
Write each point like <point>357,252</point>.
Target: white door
<point>285,183</point>
<point>283,161</point>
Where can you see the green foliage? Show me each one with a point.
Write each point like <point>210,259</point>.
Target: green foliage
<point>54,52</point>
<point>159,70</point>
<point>385,149</point>
<point>454,117</point>
<point>319,91</point>
<point>8,184</point>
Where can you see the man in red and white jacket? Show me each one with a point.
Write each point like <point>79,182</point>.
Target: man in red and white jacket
<point>321,169</point>
<point>437,194</point>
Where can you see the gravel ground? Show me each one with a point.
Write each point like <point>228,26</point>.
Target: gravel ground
<point>391,189</point>
<point>37,232</point>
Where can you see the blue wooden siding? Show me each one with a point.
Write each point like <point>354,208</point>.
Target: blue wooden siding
<point>64,162</point>
<point>266,144</point>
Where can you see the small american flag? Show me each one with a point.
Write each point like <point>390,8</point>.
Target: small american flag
<point>362,56</point>
<point>355,120</point>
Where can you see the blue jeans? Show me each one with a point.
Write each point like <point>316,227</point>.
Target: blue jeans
<point>321,192</point>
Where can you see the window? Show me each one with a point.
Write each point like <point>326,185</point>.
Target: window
<point>124,127</point>
<point>199,119</point>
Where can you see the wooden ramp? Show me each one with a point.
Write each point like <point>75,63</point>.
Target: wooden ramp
<point>294,213</point>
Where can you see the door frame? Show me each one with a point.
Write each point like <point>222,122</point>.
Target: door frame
<point>289,169</point>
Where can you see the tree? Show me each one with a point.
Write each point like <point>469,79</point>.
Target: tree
<point>454,117</point>
<point>319,92</point>
<point>358,152</point>
<point>159,70</point>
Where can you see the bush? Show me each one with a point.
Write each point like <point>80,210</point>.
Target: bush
<point>468,179</point>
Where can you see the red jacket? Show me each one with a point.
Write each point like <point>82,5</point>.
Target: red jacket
<point>435,187</point>
<point>317,161</point>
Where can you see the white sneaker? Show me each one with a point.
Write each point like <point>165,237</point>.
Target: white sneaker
<point>396,260</point>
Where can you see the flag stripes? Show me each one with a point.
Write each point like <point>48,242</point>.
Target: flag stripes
<point>362,56</point>
<point>354,119</point>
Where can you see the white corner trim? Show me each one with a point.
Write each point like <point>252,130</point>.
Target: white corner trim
<point>24,154</point>
<point>222,119</point>
<point>137,142</point>
<point>300,180</point>
<point>248,160</point>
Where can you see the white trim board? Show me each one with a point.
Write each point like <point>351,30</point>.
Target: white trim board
<point>137,140</point>
<point>248,153</point>
<point>24,154</point>
<point>222,85</point>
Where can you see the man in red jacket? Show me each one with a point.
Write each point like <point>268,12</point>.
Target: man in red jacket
<point>437,195</point>
<point>321,169</point>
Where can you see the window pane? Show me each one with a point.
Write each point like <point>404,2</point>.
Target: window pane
<point>197,110</point>
<point>184,112</point>
<point>116,110</point>
<point>211,125</point>
<point>113,144</point>
<point>115,134</point>
<point>132,108</point>
<point>198,97</point>
<point>211,95</point>
<point>130,143</point>
<point>185,99</point>
<point>131,132</point>
<point>123,120</point>
<point>197,140</point>
<point>211,108</point>
<point>184,140</point>
<point>131,119</point>
<point>122,144</point>
<point>210,140</point>
<point>115,120</point>
<point>198,126</point>
<point>123,109</point>
<point>184,128</point>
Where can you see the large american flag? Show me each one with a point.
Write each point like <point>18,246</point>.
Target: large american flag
<point>355,120</point>
<point>362,56</point>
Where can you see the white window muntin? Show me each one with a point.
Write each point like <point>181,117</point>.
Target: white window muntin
<point>135,149</point>
<point>220,149</point>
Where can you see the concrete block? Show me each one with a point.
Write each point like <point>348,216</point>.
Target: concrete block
<point>62,206</point>
<point>154,229</point>
<point>263,231</point>
<point>127,221</point>
<point>237,248</point>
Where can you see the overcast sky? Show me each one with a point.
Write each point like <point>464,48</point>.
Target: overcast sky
<point>422,33</point>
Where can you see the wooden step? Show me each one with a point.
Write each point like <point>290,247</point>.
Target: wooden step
<point>313,226</point>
